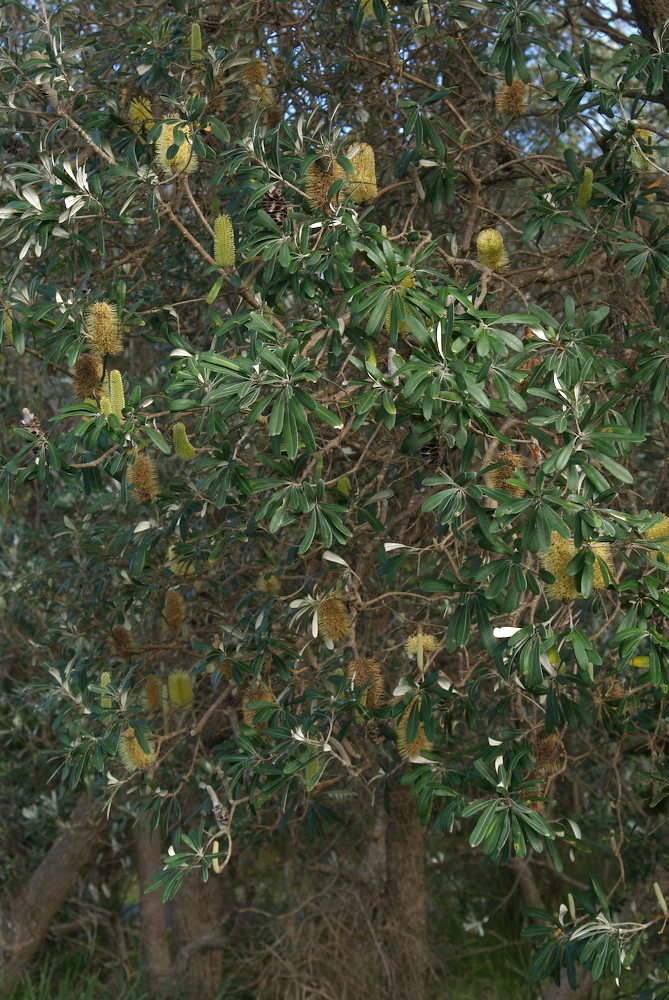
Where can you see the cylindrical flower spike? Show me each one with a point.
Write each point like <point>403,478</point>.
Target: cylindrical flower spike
<point>490,250</point>
<point>180,688</point>
<point>182,445</point>
<point>366,673</point>
<point>102,328</point>
<point>317,185</point>
<point>130,750</point>
<point>144,478</point>
<point>196,54</point>
<point>86,376</point>
<point>334,622</point>
<point>173,610</point>
<point>585,189</point>
<point>224,241</point>
<point>173,158</point>
<point>414,748</point>
<point>116,393</point>
<point>511,99</point>
<point>362,182</point>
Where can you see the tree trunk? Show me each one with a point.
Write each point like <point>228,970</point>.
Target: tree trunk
<point>405,907</point>
<point>155,946</point>
<point>31,912</point>
<point>198,914</point>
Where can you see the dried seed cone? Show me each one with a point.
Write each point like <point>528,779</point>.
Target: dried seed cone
<point>334,622</point>
<point>180,689</point>
<point>317,185</point>
<point>366,673</point>
<point>410,749</point>
<point>182,445</point>
<point>140,115</point>
<point>430,645</point>
<point>497,478</point>
<point>131,753</point>
<point>184,160</point>
<point>511,99</point>
<point>585,189</point>
<point>144,478</point>
<point>86,376</point>
<point>275,205</point>
<point>374,730</point>
<point>660,533</point>
<point>408,281</point>
<point>173,610</point>
<point>260,692</point>
<point>649,15</point>
<point>115,393</point>
<point>152,693</point>
<point>196,54</point>
<point>362,182</point>
<point>548,755</point>
<point>122,641</point>
<point>490,250</point>
<point>224,241</point>
<point>102,328</point>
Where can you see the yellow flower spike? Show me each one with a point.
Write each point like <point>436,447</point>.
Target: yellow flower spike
<point>430,644</point>
<point>317,184</point>
<point>115,393</point>
<point>490,250</point>
<point>365,672</point>
<point>133,756</point>
<point>182,445</point>
<point>181,159</point>
<point>105,404</point>
<point>585,189</point>
<point>196,54</point>
<point>415,748</point>
<point>560,553</point>
<point>334,622</point>
<point>660,533</point>
<point>180,688</point>
<point>362,182</point>
<point>102,328</point>
<point>224,241</point>
<point>140,114</point>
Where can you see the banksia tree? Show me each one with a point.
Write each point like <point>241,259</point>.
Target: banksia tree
<point>317,184</point>
<point>174,149</point>
<point>362,182</point>
<point>180,688</point>
<point>585,189</point>
<point>86,376</point>
<point>334,622</point>
<point>511,99</point>
<point>173,610</point>
<point>411,748</point>
<point>102,328</point>
<point>144,478</point>
<point>132,754</point>
<point>366,673</point>
<point>224,241</point>
<point>490,250</point>
<point>182,445</point>
<point>508,463</point>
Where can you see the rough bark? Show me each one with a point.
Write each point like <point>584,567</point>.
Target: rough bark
<point>155,945</point>
<point>405,905</point>
<point>198,914</point>
<point>29,915</point>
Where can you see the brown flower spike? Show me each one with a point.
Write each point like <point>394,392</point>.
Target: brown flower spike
<point>144,478</point>
<point>334,622</point>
